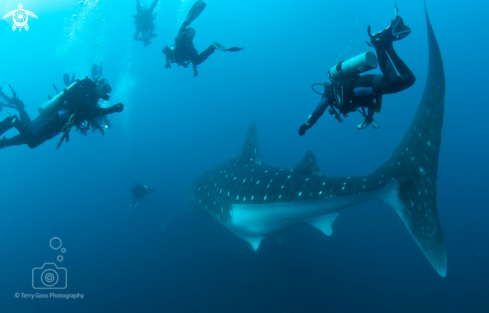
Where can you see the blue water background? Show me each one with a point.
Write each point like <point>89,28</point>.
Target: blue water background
<point>175,125</point>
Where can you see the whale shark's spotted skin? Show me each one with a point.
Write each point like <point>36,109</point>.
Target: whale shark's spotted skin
<point>256,200</point>
<point>232,182</point>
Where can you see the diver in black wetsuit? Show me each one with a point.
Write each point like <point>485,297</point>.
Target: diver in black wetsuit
<point>183,51</point>
<point>74,107</point>
<point>366,91</point>
<point>139,191</point>
<point>144,20</point>
<point>97,71</point>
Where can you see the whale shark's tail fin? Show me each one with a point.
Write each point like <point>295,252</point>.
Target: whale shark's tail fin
<point>414,165</point>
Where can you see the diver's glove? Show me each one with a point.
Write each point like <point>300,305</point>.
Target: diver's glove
<point>303,129</point>
<point>118,107</point>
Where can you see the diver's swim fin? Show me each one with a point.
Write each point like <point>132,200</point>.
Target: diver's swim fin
<point>4,99</point>
<point>97,70</point>
<point>66,80</point>
<point>220,47</point>
<point>233,49</point>
<point>195,11</point>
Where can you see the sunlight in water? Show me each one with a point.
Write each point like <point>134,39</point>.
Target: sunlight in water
<point>182,11</point>
<point>123,89</point>
<point>84,26</point>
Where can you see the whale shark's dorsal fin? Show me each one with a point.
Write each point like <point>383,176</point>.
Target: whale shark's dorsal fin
<point>309,165</point>
<point>251,151</point>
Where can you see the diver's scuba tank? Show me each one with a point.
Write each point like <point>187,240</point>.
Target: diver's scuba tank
<point>354,66</point>
<point>55,104</point>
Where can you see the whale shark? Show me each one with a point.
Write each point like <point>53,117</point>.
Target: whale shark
<point>256,200</point>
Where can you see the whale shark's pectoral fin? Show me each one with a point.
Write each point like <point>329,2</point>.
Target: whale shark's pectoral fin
<point>325,223</point>
<point>308,165</point>
<point>255,241</point>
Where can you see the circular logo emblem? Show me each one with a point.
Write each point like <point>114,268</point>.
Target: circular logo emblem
<point>20,18</point>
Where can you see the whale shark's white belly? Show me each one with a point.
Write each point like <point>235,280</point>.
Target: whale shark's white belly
<point>274,218</point>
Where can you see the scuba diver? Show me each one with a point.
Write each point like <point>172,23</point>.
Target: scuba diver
<point>347,91</point>
<point>144,20</point>
<point>102,121</point>
<point>75,106</point>
<point>183,51</point>
<point>139,191</point>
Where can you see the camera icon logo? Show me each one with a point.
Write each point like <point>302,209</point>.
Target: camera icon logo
<point>49,276</point>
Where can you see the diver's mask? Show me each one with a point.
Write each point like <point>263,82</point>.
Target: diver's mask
<point>103,88</point>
